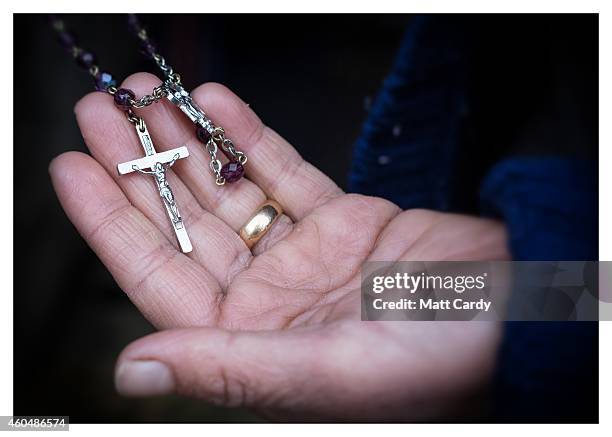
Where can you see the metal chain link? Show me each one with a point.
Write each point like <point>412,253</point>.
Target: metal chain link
<point>166,68</point>
<point>159,92</point>
<point>229,147</point>
<point>212,148</point>
<point>159,59</point>
<point>135,120</point>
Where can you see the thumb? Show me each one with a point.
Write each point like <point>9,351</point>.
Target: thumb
<point>261,369</point>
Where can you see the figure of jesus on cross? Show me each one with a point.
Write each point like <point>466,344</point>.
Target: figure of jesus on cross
<point>156,164</point>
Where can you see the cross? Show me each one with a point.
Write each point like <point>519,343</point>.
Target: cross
<point>181,98</point>
<point>156,164</point>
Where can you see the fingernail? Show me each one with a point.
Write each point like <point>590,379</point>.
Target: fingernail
<point>144,378</point>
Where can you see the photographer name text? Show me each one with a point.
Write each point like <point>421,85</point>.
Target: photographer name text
<point>419,283</point>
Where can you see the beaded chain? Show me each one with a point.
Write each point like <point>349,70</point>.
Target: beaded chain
<point>211,136</point>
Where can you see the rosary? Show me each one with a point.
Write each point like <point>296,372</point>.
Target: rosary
<point>154,163</point>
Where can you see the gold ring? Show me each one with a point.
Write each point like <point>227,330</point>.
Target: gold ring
<point>260,222</point>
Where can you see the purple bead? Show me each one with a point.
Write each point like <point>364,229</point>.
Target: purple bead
<point>103,80</point>
<point>202,134</point>
<point>86,60</point>
<point>134,23</point>
<point>123,97</point>
<point>232,171</point>
<point>148,48</point>
<point>67,40</point>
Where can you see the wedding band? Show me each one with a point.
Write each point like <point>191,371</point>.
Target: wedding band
<point>260,222</point>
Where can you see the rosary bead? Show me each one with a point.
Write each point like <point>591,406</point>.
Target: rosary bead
<point>103,80</point>
<point>123,96</point>
<point>134,23</point>
<point>202,134</point>
<point>232,171</point>
<point>67,40</point>
<point>86,59</point>
<point>148,48</point>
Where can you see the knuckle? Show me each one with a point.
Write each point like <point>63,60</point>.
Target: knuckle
<point>229,391</point>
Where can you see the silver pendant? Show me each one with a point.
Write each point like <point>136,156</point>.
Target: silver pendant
<point>156,164</point>
<point>181,98</point>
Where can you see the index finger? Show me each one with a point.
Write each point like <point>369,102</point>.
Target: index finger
<point>169,288</point>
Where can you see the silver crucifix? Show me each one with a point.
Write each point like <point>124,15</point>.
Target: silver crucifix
<point>156,164</point>
<point>181,98</point>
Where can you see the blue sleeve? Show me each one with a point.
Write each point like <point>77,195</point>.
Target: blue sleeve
<point>408,142</point>
<point>546,371</point>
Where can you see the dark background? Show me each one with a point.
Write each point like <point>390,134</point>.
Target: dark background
<point>310,77</point>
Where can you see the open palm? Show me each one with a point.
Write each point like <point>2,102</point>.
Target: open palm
<point>277,329</point>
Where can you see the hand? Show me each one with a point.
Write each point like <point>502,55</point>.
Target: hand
<point>279,329</point>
